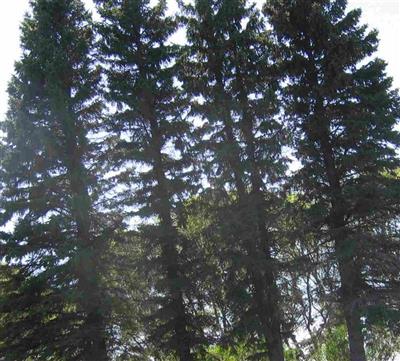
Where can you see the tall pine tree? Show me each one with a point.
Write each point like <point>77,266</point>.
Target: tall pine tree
<point>343,110</point>
<point>53,306</point>
<point>226,69</point>
<point>148,136</point>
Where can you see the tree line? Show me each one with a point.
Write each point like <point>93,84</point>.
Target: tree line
<point>148,207</point>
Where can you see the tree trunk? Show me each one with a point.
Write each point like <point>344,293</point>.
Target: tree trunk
<point>94,337</point>
<point>182,340</point>
<point>97,348</point>
<point>275,349</point>
<point>184,352</point>
<point>354,329</point>
<point>348,277</point>
<point>266,293</point>
<point>269,307</point>
<point>344,253</point>
<point>274,334</point>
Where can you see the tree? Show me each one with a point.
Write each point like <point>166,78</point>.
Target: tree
<point>343,111</point>
<point>226,70</point>
<point>151,157</point>
<point>54,306</point>
<point>126,286</point>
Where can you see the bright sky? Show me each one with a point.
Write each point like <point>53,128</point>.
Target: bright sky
<point>383,15</point>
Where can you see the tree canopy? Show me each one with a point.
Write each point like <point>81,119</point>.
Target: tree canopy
<point>149,208</point>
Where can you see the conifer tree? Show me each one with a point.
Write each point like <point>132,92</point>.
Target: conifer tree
<point>340,103</point>
<point>149,152</point>
<point>53,305</point>
<point>226,70</point>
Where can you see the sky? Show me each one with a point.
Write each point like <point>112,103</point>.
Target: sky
<point>383,15</point>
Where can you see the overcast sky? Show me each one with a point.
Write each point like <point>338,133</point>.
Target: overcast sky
<point>383,15</point>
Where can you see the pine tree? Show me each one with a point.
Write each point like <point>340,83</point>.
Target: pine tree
<point>150,155</point>
<point>53,306</point>
<point>343,111</point>
<point>226,70</point>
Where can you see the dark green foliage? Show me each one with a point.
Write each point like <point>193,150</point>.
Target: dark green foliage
<point>144,207</point>
<point>53,305</point>
<point>226,69</point>
<point>343,112</point>
<point>149,136</point>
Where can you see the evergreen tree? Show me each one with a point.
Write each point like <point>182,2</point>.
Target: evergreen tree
<point>53,305</point>
<point>234,265</point>
<point>150,155</point>
<point>343,112</point>
<point>226,70</point>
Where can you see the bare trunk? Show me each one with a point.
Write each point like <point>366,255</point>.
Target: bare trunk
<point>349,281</point>
<point>269,314</point>
<point>356,338</point>
<point>182,338</point>
<point>275,349</point>
<point>274,334</point>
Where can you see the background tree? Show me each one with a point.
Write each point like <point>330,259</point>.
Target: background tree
<point>343,111</point>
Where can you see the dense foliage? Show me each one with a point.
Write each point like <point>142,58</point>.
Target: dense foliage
<point>148,206</point>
